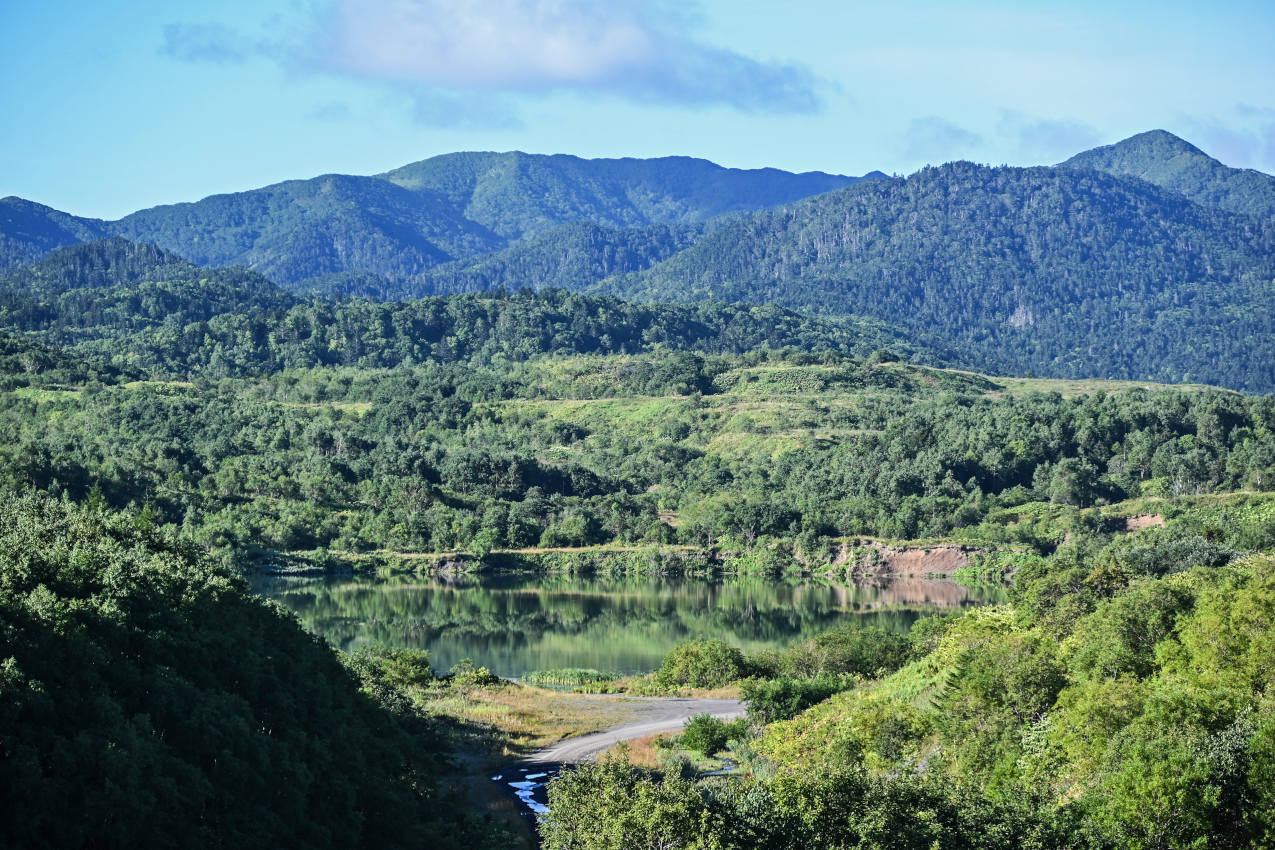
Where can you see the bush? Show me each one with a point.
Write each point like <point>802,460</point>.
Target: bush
<point>701,664</point>
<point>707,735</point>
<point>928,631</point>
<point>851,650</point>
<point>465,675</point>
<point>785,697</point>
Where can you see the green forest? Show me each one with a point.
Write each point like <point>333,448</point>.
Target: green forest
<point>1146,260</point>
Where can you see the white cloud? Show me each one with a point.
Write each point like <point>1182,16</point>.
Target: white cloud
<point>633,49</point>
<point>1244,140</point>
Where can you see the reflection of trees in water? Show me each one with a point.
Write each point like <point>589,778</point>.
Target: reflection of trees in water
<point>518,623</point>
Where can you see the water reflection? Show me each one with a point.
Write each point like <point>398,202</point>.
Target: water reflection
<point>517,623</point>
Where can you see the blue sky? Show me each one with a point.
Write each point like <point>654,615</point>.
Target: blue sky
<point>113,106</point>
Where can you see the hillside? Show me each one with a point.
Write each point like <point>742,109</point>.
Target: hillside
<point>1171,163</point>
<point>143,683</point>
<point>1063,272</point>
<point>572,256</point>
<point>144,307</point>
<point>113,288</point>
<point>517,194</point>
<point>29,231</point>
<point>399,224</point>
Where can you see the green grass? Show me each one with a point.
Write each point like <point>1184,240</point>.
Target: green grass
<point>570,676</point>
<point>47,394</point>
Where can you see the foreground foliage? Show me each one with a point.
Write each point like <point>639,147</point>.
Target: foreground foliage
<point>148,699</point>
<point>1125,698</point>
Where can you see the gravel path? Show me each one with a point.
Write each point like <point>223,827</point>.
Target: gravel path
<point>653,715</point>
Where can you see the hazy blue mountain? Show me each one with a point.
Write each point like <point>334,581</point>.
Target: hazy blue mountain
<point>1172,163</point>
<point>29,231</point>
<point>1057,270</point>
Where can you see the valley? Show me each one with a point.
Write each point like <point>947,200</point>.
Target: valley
<point>793,510</point>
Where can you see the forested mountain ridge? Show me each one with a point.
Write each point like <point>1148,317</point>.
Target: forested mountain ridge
<point>112,289</point>
<point>1088,269</point>
<point>1061,271</point>
<point>29,231</point>
<point>517,194</point>
<point>1172,163</point>
<point>306,228</point>
<point>572,256</point>
<point>403,222</point>
<point>143,307</point>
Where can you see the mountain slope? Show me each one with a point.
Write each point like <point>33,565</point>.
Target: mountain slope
<point>572,256</point>
<point>450,208</point>
<point>1172,163</point>
<point>108,289</point>
<point>29,231</point>
<point>146,309</point>
<point>306,228</point>
<point>517,194</point>
<point>1064,272</point>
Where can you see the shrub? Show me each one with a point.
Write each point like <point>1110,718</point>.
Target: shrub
<point>851,649</point>
<point>465,675</point>
<point>701,664</point>
<point>785,697</point>
<point>707,735</point>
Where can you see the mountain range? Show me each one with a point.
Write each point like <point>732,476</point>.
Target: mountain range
<point>1146,259</point>
<point>401,223</point>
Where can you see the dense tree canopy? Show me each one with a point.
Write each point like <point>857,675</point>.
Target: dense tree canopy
<point>148,699</point>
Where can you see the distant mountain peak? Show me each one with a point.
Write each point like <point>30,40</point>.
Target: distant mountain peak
<point>1141,152</point>
<point>1170,162</point>
<point>1159,140</point>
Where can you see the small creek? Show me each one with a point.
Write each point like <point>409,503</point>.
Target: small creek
<point>528,783</point>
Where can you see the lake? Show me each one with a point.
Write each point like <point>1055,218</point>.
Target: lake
<point>513,624</point>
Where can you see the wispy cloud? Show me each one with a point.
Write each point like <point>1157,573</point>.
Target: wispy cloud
<point>207,42</point>
<point>641,50</point>
<point>935,139</point>
<point>1244,140</point>
<point>1046,140</point>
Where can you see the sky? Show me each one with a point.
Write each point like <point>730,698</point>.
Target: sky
<point>115,106</point>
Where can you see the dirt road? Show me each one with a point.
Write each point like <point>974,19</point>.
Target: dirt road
<point>652,715</point>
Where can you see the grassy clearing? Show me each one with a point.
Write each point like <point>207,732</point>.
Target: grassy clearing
<point>660,751</point>
<point>643,752</point>
<point>356,407</point>
<point>1018,387</point>
<point>47,395</point>
<point>520,719</point>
